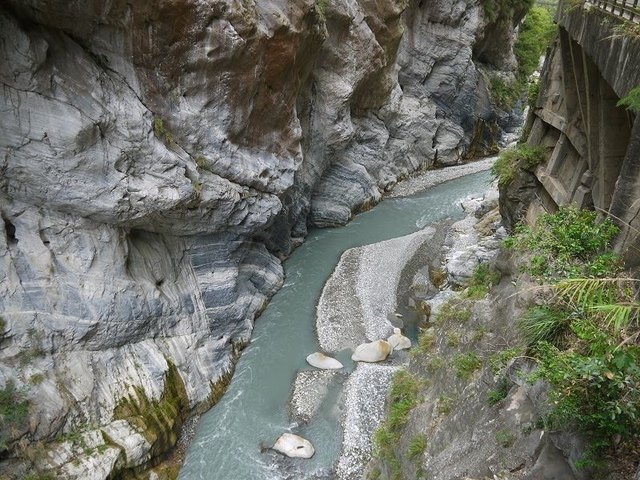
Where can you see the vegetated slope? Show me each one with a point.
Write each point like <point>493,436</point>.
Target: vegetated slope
<point>529,372</point>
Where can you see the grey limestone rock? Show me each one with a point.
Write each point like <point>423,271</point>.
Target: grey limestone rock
<point>157,160</point>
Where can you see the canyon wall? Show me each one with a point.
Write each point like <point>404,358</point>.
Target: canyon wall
<point>159,160</point>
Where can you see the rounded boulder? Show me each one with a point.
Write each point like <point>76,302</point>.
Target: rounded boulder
<point>372,352</point>
<point>294,446</point>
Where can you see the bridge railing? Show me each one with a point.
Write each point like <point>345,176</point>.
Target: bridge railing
<point>627,9</point>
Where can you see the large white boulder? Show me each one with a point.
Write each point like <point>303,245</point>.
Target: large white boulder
<point>399,341</point>
<point>372,352</point>
<point>320,360</point>
<point>294,446</point>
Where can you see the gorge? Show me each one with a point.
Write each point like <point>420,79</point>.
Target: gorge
<point>161,160</point>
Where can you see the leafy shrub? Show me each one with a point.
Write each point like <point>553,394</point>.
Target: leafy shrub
<point>321,8</point>
<point>505,93</point>
<point>570,243</point>
<point>534,35</point>
<point>596,384</point>
<point>500,359</point>
<point>511,159</point>
<point>536,31</point>
<point>611,300</point>
<point>585,339</point>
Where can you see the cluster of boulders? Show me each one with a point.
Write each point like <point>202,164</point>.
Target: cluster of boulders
<point>294,446</point>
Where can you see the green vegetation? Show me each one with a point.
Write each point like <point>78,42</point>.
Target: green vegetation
<point>161,131</point>
<point>533,93</point>
<point>585,339</point>
<point>570,243</point>
<point>158,420</point>
<point>534,36</point>
<point>452,339</point>
<point>13,413</point>
<point>535,33</point>
<point>435,364</point>
<point>546,324</point>
<point>500,359</point>
<point>36,379</point>
<point>465,364</point>
<point>374,474</point>
<point>631,101</point>
<point>501,391</point>
<point>383,443</point>
<point>445,404</point>
<point>403,398</point>
<point>426,341</point>
<point>417,447</point>
<point>505,93</point>
<point>482,280</point>
<point>321,8</point>
<point>595,381</point>
<point>626,29</point>
<point>510,160</point>
<point>38,476</point>
<point>479,333</point>
<point>454,309</point>
<point>201,162</point>
<point>505,439</point>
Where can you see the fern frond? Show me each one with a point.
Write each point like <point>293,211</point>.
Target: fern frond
<point>610,297</point>
<point>587,292</point>
<point>619,316</point>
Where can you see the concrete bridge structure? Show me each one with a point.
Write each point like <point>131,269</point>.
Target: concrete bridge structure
<point>593,146</point>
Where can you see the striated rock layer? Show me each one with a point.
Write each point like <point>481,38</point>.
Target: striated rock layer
<point>158,158</point>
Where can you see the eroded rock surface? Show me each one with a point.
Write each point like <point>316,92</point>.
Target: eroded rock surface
<point>157,161</point>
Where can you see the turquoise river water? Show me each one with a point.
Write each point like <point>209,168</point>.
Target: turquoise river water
<point>254,410</point>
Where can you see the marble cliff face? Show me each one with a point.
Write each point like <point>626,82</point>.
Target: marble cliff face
<point>159,158</point>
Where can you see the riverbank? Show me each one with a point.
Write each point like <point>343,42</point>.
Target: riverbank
<point>362,299</point>
<point>255,409</point>
<point>419,183</point>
